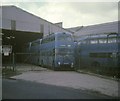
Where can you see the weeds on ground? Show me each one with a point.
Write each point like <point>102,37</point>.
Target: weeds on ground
<point>109,73</point>
<point>8,72</point>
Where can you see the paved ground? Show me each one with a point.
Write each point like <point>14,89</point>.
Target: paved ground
<point>72,79</point>
<point>21,89</point>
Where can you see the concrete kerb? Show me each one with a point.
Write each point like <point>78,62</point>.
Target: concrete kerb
<point>98,75</point>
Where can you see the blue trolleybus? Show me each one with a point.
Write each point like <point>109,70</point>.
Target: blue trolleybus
<point>57,51</point>
<point>99,51</point>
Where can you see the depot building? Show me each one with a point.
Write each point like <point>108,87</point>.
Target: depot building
<point>19,27</point>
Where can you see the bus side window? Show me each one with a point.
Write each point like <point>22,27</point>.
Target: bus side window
<point>102,40</point>
<point>79,42</point>
<point>93,41</point>
<point>112,40</point>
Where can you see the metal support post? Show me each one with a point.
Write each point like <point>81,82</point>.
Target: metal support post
<point>13,61</point>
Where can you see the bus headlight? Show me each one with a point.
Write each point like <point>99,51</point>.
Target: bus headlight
<point>69,45</point>
<point>58,63</point>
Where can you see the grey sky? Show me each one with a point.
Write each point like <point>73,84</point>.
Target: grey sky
<point>72,14</point>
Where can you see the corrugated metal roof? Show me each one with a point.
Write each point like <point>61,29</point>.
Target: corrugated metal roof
<point>99,28</point>
<point>35,17</point>
<point>75,29</point>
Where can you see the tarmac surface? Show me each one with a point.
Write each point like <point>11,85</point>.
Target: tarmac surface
<point>22,89</point>
<point>71,79</point>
